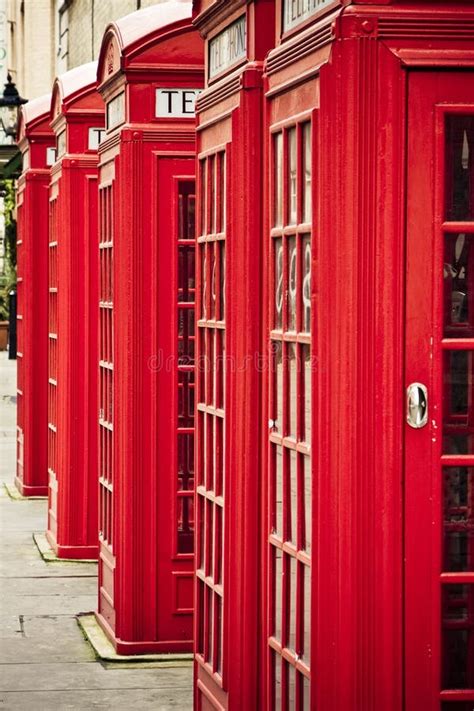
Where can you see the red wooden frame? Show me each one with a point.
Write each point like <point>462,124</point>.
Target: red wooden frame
<point>35,140</point>
<point>76,110</point>
<point>147,173</point>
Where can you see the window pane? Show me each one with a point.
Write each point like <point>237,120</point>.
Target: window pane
<point>458,636</point>
<point>277,680</point>
<point>458,275</point>
<point>307,172</point>
<point>307,503</point>
<point>458,401</point>
<point>306,360</point>
<point>291,284</point>
<point>277,583</point>
<point>292,394</point>
<point>291,591</point>
<point>291,687</point>
<point>292,182</point>
<point>306,651</point>
<point>458,498</point>
<point>306,284</point>
<point>278,180</point>
<point>278,281</point>
<point>279,491</point>
<point>459,167</point>
<point>293,498</point>
<point>278,375</point>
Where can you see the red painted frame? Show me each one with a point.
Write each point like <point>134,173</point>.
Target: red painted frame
<point>35,138</point>
<point>76,107</point>
<point>145,583</point>
<point>230,122</point>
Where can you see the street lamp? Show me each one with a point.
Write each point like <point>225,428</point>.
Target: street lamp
<point>10,103</point>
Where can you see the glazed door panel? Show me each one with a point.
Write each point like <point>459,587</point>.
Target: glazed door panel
<point>439,505</point>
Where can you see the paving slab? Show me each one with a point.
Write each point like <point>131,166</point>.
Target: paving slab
<point>108,700</point>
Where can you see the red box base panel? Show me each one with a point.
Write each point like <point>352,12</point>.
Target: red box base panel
<point>72,552</point>
<point>30,490</point>
<point>142,646</point>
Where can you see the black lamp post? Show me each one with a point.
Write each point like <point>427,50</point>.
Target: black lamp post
<point>10,103</point>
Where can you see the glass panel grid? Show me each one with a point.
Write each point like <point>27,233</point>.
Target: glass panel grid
<point>106,373</point>
<point>457,482</point>
<point>290,419</point>
<point>52,353</point>
<point>210,395</point>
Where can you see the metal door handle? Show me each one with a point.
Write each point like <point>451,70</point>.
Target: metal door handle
<point>417,405</point>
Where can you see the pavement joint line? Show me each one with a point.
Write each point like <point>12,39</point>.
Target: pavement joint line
<point>105,651</point>
<point>49,556</point>
<point>46,577</point>
<point>96,688</point>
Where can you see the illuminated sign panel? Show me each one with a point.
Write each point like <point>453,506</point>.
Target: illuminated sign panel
<point>228,47</point>
<point>297,11</point>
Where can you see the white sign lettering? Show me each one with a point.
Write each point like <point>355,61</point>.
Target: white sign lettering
<point>176,103</point>
<point>51,155</point>
<point>116,111</point>
<point>297,11</point>
<point>228,47</point>
<point>95,137</point>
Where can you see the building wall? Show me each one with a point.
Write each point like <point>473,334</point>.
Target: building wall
<point>30,53</point>
<point>48,37</point>
<point>88,20</point>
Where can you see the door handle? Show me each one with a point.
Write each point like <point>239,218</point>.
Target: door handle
<point>417,405</point>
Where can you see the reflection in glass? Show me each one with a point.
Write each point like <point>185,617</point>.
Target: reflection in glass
<point>458,284</point>
<point>307,503</point>
<point>278,390</point>
<point>307,172</point>
<point>277,690</point>
<point>279,491</point>
<point>306,284</point>
<point>291,284</point>
<point>278,589</point>
<point>278,180</point>
<point>292,390</point>
<point>458,519</point>
<point>219,626</point>
<point>292,182</point>
<point>293,497</point>
<point>307,391</point>
<point>278,280</point>
<point>291,618</point>
<point>221,248</point>
<point>458,636</point>
<point>459,167</point>
<point>458,400</point>
<point>291,687</point>
<point>306,651</point>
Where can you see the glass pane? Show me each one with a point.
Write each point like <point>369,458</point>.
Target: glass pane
<point>291,616</point>
<point>221,248</point>
<point>218,603</point>
<point>291,687</point>
<point>292,183</point>
<point>306,359</point>
<point>306,694</point>
<point>278,180</point>
<point>279,491</point>
<point>278,281</point>
<point>458,636</point>
<point>458,425</point>
<point>307,172</point>
<point>277,582</point>
<point>186,273</point>
<point>278,360</point>
<point>277,686</point>
<point>291,284</point>
<point>306,284</point>
<point>458,498</point>
<point>459,167</point>
<point>306,651</point>
<point>458,291</point>
<point>293,498</point>
<point>292,391</point>
<point>222,193</point>
<point>307,503</point>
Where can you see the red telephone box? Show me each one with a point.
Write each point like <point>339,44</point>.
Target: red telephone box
<point>150,72</point>
<point>230,304</point>
<point>36,142</point>
<point>77,116</point>
<point>366,574</point>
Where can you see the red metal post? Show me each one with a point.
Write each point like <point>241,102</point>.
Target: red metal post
<point>36,142</point>
<point>150,73</point>
<point>78,120</point>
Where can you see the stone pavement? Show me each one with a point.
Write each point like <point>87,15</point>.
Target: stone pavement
<point>45,662</point>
